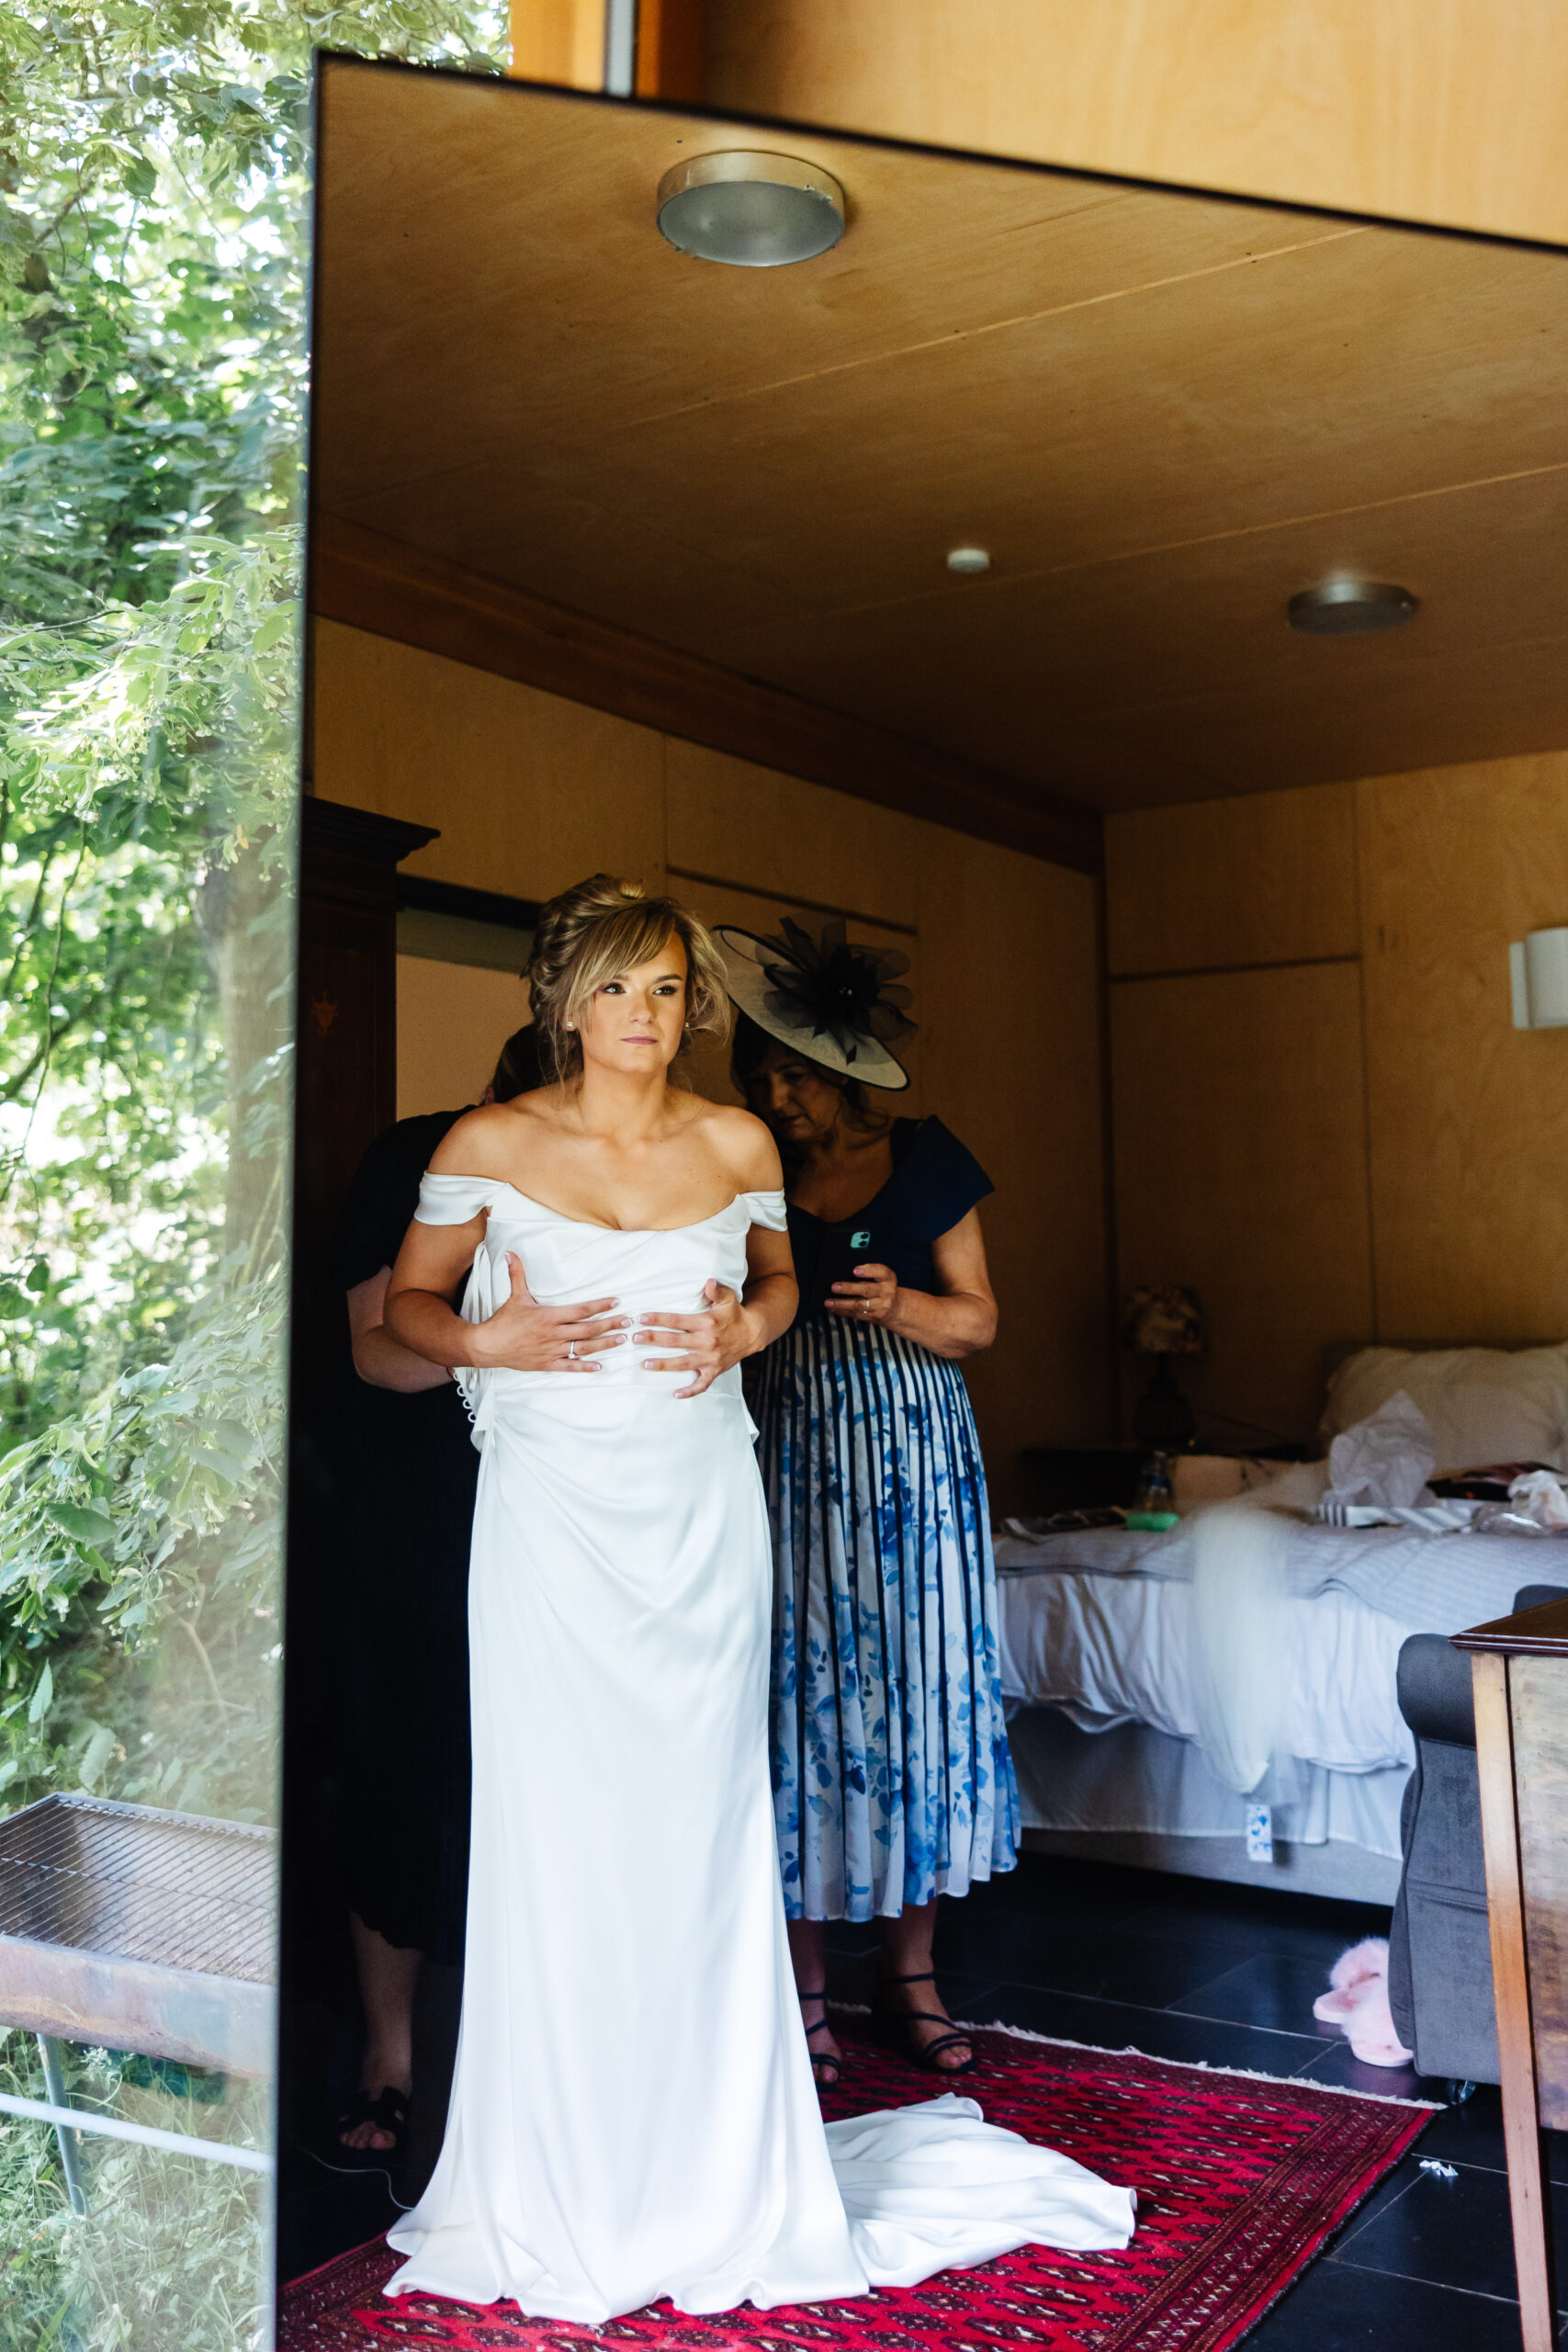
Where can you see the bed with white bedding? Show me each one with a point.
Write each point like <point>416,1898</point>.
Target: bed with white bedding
<point>1101,1668</point>
<point>1105,1746</point>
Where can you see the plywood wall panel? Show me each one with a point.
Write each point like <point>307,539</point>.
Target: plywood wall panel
<point>1240,1142</point>
<point>750,825</point>
<point>1011,1060</point>
<point>451,1023</point>
<point>559,41</point>
<point>1446,110</point>
<point>1269,878</point>
<point>497,249</point>
<point>531,792</point>
<point>1469,1116</point>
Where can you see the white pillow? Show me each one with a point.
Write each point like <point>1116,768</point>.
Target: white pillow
<point>1484,1403</point>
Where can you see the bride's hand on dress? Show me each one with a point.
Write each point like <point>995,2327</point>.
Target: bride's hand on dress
<point>523,1336</point>
<point>709,1342</point>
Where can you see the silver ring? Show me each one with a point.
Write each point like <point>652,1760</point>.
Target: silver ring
<point>572,1350</point>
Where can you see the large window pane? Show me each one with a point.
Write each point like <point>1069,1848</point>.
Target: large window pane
<point>152,240</point>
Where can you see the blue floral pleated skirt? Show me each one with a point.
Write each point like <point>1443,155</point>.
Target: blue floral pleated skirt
<point>892,1777</point>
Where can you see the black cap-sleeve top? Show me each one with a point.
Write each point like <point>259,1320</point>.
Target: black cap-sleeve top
<point>934,1184</point>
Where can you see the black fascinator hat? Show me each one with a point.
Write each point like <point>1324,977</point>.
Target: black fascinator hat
<point>835,1004</point>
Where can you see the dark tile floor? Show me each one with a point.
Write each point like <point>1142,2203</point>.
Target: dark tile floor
<point>1177,1967</point>
<point>1185,1968</point>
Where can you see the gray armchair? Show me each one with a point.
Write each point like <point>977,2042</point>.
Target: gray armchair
<point>1439,1957</point>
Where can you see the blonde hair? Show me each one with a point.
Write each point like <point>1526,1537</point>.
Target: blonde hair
<point>597,929</point>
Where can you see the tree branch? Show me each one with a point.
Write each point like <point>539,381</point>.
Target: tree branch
<point>52,1039</point>
<point>14,1086</point>
<point>201,1649</point>
<point>29,926</point>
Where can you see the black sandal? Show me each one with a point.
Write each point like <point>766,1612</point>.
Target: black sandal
<point>898,2024</point>
<point>821,2057</point>
<point>389,2111</point>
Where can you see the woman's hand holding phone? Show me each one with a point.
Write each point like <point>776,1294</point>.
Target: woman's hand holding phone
<point>870,1297</point>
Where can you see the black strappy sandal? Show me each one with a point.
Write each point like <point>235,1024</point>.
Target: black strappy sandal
<point>389,2111</point>
<point>822,2057</point>
<point>898,2026</point>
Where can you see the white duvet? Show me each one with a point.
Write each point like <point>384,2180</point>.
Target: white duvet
<point>1100,1622</point>
<point>1117,1648</point>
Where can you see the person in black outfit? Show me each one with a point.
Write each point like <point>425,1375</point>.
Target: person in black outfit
<point>405,1777</point>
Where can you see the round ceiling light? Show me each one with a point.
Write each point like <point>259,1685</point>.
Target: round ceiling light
<point>754,211</point>
<point>968,559</point>
<point>1344,607</point>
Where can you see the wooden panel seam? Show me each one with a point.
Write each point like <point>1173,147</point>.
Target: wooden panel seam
<point>807,906</point>
<point>1113,1319</point>
<point>1368,1168</point>
<point>366,581</point>
<point>1223,971</point>
<point>1240,882</point>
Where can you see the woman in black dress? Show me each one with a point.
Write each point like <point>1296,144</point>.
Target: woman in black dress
<point>405,1775</point>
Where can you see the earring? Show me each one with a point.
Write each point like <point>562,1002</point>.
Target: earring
<point>571,1024</point>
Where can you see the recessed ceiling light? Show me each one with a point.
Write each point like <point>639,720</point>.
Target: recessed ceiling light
<point>754,211</point>
<point>969,559</point>
<point>1351,607</point>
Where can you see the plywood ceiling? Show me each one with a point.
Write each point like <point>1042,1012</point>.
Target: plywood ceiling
<point>1161,413</point>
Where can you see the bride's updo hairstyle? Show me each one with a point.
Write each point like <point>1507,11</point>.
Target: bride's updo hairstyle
<point>599,928</point>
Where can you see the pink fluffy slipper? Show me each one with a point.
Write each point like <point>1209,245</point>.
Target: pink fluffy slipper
<point>1358,2001</point>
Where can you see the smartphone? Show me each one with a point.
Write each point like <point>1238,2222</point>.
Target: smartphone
<point>844,1247</point>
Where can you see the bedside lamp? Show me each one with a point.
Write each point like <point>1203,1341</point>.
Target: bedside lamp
<point>1164,1321</point>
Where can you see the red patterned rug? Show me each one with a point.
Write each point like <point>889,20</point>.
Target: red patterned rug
<point>1239,2180</point>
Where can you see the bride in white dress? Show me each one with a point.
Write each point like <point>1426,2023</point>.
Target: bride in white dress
<point>633,2113</point>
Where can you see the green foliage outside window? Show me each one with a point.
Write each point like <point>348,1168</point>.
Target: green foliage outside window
<point>153,210</point>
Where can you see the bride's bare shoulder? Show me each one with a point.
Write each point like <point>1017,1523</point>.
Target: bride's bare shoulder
<point>489,1141</point>
<point>744,1146</point>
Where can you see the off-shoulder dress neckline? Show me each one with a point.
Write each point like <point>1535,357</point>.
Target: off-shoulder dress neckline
<point>587,1224</point>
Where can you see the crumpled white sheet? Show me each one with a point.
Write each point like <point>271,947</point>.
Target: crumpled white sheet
<point>1538,1496</point>
<point>1432,1587</point>
<point>1383,1462</point>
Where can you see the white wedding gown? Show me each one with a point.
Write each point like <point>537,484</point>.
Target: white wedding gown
<point>633,2113</point>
